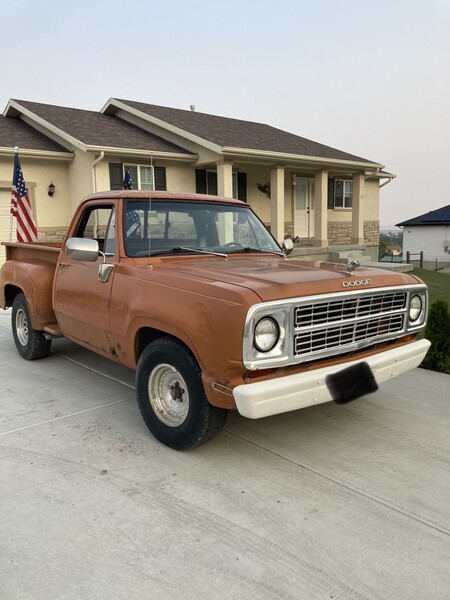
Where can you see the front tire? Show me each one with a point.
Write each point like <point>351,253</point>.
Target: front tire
<point>31,344</point>
<point>171,397</point>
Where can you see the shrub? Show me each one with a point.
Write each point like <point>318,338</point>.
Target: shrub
<point>438,332</point>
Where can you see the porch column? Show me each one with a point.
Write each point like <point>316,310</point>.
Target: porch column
<point>357,210</point>
<point>277,203</point>
<point>225,179</point>
<point>320,208</point>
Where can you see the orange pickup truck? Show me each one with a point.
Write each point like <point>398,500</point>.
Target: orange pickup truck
<point>194,293</point>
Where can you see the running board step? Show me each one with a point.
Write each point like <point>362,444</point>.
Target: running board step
<point>53,330</point>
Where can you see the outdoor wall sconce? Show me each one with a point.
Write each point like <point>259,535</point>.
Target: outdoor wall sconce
<point>51,189</point>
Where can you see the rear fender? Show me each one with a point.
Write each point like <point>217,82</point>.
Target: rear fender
<point>35,282</point>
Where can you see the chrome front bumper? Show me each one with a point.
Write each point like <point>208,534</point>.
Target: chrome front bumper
<point>274,396</point>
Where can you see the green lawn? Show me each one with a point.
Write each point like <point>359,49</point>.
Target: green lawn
<point>438,284</point>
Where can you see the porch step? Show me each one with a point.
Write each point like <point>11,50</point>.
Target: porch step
<point>353,254</point>
<point>303,242</point>
<point>399,267</point>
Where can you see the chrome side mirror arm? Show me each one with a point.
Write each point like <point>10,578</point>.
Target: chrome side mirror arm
<point>104,268</point>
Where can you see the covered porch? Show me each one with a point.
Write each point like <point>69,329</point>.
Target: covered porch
<point>319,208</point>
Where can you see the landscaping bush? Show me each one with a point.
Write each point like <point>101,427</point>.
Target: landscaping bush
<point>438,332</point>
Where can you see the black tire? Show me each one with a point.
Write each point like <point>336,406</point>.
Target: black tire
<point>179,414</point>
<point>31,344</point>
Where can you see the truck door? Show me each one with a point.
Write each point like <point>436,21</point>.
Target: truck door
<point>81,300</point>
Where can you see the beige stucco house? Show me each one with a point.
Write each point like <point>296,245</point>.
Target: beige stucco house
<point>322,197</point>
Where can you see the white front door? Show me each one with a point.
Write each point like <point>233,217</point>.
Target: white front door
<point>303,207</point>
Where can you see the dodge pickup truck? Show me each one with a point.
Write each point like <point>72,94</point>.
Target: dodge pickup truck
<point>195,295</point>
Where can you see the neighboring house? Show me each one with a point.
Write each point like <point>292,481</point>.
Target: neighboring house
<point>429,233</point>
<point>316,194</point>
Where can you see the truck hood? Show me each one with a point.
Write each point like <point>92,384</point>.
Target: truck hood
<point>273,278</point>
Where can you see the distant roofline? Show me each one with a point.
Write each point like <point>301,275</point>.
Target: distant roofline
<point>431,219</point>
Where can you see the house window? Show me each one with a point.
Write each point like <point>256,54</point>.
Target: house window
<point>343,193</point>
<point>206,183</point>
<point>141,176</point>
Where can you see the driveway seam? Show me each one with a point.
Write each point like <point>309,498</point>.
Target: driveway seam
<point>378,500</point>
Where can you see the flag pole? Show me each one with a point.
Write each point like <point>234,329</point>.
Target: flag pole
<point>16,151</point>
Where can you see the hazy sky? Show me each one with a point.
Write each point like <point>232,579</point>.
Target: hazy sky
<point>368,77</point>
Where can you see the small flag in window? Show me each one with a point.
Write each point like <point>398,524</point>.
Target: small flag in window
<point>127,185</point>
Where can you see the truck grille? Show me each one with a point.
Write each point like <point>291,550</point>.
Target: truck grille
<point>324,326</point>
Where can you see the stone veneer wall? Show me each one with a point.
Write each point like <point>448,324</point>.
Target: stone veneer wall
<point>340,233</point>
<point>51,235</point>
<point>372,233</point>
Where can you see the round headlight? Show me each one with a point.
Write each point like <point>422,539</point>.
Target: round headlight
<point>266,334</point>
<point>415,307</point>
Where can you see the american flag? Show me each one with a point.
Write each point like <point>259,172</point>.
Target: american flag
<point>21,206</point>
<point>127,185</point>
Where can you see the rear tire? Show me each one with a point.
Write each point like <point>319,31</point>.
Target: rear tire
<point>31,344</point>
<point>171,397</point>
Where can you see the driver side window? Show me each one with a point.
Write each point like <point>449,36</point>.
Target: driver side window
<point>98,223</point>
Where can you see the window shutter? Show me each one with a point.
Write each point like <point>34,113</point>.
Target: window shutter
<point>211,183</point>
<point>160,179</point>
<point>115,176</point>
<point>331,193</point>
<point>242,186</point>
<point>200,181</point>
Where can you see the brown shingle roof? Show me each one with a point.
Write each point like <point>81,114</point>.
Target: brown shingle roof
<point>234,133</point>
<point>97,129</point>
<point>15,132</point>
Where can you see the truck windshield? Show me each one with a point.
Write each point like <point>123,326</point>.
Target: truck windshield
<point>153,227</point>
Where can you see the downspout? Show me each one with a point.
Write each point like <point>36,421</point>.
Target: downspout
<point>100,157</point>
<point>386,182</point>
<point>369,175</point>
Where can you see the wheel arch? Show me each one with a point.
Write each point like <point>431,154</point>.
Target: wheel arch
<point>146,335</point>
<point>10,291</point>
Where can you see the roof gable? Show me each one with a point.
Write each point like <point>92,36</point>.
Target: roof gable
<point>441,216</point>
<point>15,132</point>
<point>225,132</point>
<point>92,128</point>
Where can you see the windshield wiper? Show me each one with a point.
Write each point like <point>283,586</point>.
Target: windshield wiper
<point>252,249</point>
<point>186,249</point>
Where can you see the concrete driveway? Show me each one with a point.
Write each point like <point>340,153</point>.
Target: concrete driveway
<point>330,502</point>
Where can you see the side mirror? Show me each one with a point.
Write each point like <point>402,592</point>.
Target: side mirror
<point>82,249</point>
<point>287,246</point>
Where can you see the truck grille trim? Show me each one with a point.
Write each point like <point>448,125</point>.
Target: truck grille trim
<point>342,309</point>
<point>324,326</point>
